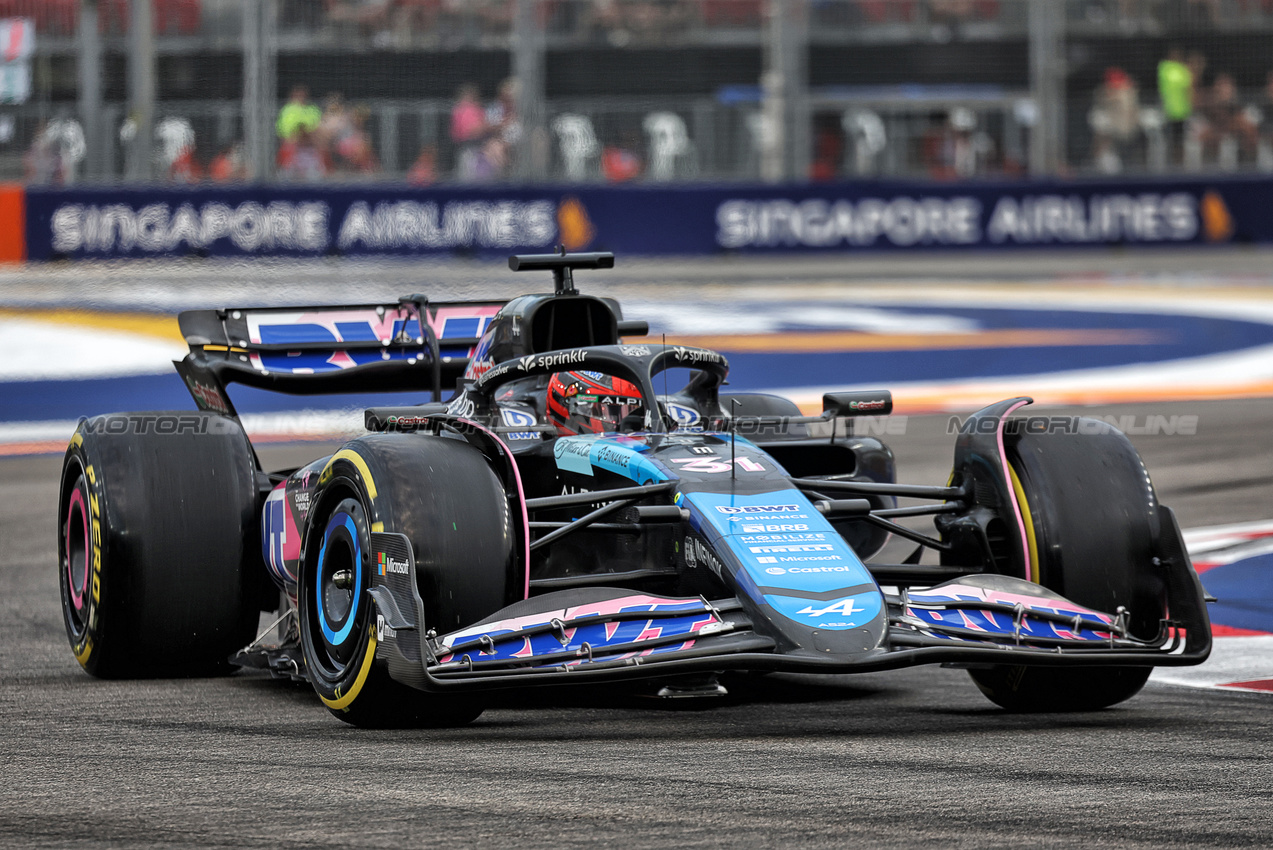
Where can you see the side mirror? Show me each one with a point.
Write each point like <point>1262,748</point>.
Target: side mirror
<point>861,403</point>
<point>634,327</point>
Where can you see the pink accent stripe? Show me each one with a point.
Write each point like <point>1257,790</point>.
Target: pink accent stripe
<point>1218,630</point>
<point>1007,477</point>
<point>521,501</point>
<point>1265,685</point>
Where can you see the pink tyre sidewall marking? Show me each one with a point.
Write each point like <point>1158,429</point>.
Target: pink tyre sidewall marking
<point>77,591</point>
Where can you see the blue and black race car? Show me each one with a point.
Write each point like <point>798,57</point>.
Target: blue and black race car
<point>572,514</point>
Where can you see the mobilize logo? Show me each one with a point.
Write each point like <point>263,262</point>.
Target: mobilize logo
<point>757,509</point>
<point>844,606</point>
<point>808,537</point>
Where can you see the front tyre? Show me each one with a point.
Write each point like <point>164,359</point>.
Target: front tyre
<point>1091,517</point>
<point>444,497</point>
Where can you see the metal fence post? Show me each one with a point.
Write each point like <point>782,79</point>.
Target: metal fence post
<point>784,92</point>
<point>89,70</point>
<point>259,74</point>
<point>1047,86</point>
<point>141,90</point>
<point>528,67</point>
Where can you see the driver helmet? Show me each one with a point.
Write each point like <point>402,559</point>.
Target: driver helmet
<point>593,403</point>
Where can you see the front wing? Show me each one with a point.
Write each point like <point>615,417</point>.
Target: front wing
<point>611,634</point>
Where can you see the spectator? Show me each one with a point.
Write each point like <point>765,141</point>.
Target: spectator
<point>300,159</point>
<point>334,124</point>
<point>468,126</point>
<point>229,165</point>
<point>42,161</point>
<point>502,123</point>
<point>956,148</point>
<point>297,114</point>
<point>620,162</point>
<point>177,150</point>
<point>1265,155</point>
<point>1175,89</point>
<point>1228,130</point>
<point>828,153</point>
<point>1115,121</point>
<point>56,151</point>
<point>423,171</point>
<point>353,148</point>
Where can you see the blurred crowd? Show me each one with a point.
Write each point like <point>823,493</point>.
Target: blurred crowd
<point>316,142</point>
<point>616,22</point>
<point>1192,118</point>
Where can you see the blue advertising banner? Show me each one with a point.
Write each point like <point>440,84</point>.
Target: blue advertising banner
<point>370,220</point>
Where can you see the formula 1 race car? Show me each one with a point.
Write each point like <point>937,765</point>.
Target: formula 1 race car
<point>559,519</point>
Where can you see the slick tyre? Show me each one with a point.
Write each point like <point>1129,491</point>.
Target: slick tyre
<point>442,494</point>
<point>1091,518</point>
<point>156,517</point>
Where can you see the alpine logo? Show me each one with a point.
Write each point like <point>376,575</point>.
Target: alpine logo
<point>844,606</point>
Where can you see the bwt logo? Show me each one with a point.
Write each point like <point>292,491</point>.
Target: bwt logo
<point>758,509</point>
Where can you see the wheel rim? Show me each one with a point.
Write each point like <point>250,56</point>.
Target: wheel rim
<point>336,597</point>
<point>77,555</point>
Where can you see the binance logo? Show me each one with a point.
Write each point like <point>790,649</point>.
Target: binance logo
<point>1217,222</point>
<point>573,224</point>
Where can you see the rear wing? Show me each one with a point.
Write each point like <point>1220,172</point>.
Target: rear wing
<point>317,350</point>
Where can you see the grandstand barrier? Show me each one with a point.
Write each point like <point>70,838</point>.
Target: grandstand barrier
<point>686,220</point>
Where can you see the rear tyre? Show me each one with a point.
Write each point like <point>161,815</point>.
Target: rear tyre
<point>1091,517</point>
<point>157,571</point>
<point>442,494</point>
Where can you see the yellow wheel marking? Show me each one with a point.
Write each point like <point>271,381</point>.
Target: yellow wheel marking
<point>1032,542</point>
<point>77,439</point>
<point>344,701</point>
<point>85,652</point>
<point>360,464</point>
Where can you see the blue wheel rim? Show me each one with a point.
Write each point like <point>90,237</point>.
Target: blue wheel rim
<point>333,636</point>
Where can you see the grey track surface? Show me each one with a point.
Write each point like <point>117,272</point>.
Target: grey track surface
<point>905,759</point>
<point>170,285</point>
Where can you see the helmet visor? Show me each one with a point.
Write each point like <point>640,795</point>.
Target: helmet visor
<point>608,412</point>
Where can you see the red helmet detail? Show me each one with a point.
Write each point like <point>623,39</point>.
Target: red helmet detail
<point>592,403</point>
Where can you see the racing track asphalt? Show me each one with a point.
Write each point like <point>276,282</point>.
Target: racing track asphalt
<point>905,759</point>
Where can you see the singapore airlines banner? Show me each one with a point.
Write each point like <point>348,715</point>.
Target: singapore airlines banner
<point>703,220</point>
